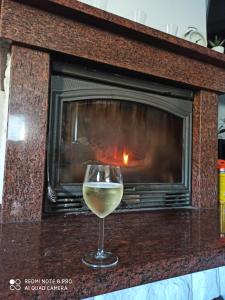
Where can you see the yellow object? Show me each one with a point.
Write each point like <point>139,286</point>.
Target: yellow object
<point>222,186</point>
<point>222,220</point>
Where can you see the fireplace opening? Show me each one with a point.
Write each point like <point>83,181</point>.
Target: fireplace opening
<point>146,142</point>
<point>101,118</point>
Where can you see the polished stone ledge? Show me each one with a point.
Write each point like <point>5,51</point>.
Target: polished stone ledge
<point>151,246</point>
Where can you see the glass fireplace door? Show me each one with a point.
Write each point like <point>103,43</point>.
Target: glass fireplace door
<point>146,142</point>
<point>137,126</point>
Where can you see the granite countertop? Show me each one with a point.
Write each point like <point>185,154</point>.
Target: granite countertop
<point>151,246</point>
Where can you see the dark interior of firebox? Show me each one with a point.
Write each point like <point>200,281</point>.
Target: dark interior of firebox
<point>146,142</point>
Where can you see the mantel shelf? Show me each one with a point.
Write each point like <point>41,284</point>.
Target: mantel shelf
<point>79,31</point>
<point>74,9</point>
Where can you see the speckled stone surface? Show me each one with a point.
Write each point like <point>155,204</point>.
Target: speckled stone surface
<point>150,246</point>
<point>204,150</point>
<point>27,124</point>
<point>120,42</point>
<point>80,33</point>
<point>81,9</point>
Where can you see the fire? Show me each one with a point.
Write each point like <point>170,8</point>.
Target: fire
<point>125,158</point>
<point>115,156</point>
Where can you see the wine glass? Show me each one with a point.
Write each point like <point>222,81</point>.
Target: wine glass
<point>139,16</point>
<point>172,29</point>
<point>102,191</point>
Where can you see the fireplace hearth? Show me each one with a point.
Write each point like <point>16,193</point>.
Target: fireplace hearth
<point>104,118</point>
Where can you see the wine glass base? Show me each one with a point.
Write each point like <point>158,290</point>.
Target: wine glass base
<point>105,260</point>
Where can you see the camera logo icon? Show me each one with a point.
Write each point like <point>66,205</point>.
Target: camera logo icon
<point>15,284</point>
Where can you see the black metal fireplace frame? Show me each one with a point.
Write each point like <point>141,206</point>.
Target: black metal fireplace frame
<point>74,82</point>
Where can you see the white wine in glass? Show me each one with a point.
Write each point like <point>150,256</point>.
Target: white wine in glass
<point>102,191</point>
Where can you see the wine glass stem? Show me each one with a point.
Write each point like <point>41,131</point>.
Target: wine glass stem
<point>101,237</point>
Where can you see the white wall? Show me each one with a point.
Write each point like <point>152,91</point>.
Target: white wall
<point>4,97</point>
<point>221,115</point>
<point>160,12</point>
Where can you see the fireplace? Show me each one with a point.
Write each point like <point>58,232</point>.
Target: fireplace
<point>83,34</point>
<point>105,118</point>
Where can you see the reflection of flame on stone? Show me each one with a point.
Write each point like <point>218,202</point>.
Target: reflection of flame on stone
<point>125,158</point>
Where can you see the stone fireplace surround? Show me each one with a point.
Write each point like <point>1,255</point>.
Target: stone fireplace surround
<point>37,30</point>
<point>185,240</point>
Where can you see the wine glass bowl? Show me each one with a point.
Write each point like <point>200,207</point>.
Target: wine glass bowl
<point>102,192</point>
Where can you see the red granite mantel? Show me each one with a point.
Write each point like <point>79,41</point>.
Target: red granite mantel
<point>25,160</point>
<point>76,29</point>
<point>37,30</point>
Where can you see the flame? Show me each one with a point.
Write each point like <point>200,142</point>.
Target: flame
<point>125,158</point>
<point>114,156</point>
